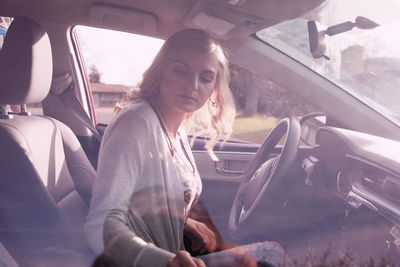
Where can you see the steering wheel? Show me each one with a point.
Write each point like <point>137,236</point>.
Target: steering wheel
<point>265,178</point>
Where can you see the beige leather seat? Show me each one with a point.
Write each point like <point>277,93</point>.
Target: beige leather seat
<point>45,176</point>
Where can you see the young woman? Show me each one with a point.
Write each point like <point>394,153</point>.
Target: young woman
<point>147,179</point>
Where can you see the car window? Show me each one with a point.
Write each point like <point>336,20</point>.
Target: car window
<point>4,24</point>
<point>355,48</point>
<point>261,103</point>
<point>115,61</point>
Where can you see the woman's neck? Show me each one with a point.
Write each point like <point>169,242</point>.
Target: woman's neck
<point>170,118</point>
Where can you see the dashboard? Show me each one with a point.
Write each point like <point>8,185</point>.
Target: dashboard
<point>361,174</point>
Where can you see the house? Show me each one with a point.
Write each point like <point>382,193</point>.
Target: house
<point>106,95</point>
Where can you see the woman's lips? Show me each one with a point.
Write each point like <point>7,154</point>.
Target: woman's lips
<point>188,97</point>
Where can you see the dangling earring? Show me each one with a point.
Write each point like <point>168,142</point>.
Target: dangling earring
<point>213,103</point>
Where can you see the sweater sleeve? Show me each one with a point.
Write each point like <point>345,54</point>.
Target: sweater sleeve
<point>126,249</point>
<point>122,155</point>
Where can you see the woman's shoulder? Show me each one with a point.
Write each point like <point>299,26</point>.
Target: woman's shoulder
<point>138,108</point>
<point>137,115</point>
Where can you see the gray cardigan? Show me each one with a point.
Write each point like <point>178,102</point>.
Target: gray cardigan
<point>142,189</point>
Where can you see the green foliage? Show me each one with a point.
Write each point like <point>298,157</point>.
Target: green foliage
<point>255,95</point>
<point>94,75</point>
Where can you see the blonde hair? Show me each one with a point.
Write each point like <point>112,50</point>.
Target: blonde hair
<point>215,118</point>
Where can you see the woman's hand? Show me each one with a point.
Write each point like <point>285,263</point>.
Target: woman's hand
<point>183,259</point>
<point>237,257</point>
<point>243,258</point>
<point>201,237</point>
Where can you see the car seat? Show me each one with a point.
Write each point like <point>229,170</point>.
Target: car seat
<point>45,176</point>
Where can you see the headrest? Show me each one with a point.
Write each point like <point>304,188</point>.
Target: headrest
<point>26,64</point>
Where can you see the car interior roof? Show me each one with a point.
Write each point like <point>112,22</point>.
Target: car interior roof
<point>246,18</point>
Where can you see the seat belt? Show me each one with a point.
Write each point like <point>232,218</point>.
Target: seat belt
<point>63,86</point>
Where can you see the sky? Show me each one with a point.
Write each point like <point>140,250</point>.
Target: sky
<point>132,53</point>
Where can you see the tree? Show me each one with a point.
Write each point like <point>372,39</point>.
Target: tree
<point>94,75</point>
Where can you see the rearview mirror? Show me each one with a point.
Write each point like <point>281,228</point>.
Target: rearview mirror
<point>316,35</point>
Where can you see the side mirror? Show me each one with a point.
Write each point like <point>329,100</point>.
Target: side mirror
<point>316,35</point>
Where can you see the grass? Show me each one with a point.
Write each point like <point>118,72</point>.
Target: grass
<point>253,129</point>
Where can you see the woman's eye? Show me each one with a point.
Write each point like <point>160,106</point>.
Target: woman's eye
<point>180,71</point>
<point>207,78</point>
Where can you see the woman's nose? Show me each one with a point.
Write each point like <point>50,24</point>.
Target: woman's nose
<point>194,82</point>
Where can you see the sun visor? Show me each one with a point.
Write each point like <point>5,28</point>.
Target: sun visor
<point>122,18</point>
<point>234,19</point>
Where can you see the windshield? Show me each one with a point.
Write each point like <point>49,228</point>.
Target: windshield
<point>364,62</point>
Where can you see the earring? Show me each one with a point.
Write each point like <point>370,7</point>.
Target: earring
<point>213,103</point>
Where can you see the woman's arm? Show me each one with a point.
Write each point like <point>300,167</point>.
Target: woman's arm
<point>126,249</point>
<point>200,214</point>
<point>201,239</point>
<point>121,159</point>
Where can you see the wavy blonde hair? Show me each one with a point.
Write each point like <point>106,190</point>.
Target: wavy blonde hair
<point>214,120</point>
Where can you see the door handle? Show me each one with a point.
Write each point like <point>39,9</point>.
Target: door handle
<point>222,167</point>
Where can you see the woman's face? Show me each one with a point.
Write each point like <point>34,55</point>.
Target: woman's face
<point>188,81</point>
